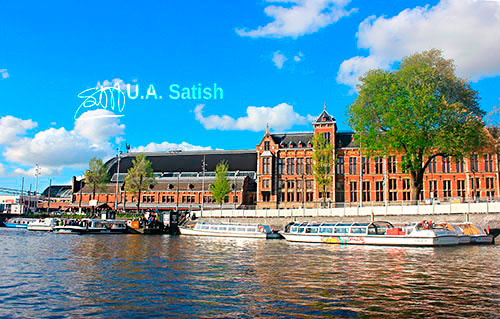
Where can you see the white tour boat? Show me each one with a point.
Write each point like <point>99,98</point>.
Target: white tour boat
<point>46,224</point>
<point>470,233</point>
<point>92,226</point>
<point>375,233</point>
<point>230,230</point>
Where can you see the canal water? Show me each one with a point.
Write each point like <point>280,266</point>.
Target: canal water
<point>57,276</point>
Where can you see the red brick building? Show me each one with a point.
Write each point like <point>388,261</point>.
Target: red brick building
<point>285,180</point>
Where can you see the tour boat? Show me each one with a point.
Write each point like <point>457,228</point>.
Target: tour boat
<point>470,233</point>
<point>375,233</point>
<point>91,226</point>
<point>230,230</point>
<point>46,224</point>
<point>18,222</point>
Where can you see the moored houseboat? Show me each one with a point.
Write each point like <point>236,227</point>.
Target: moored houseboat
<point>18,222</point>
<point>375,233</point>
<point>230,230</point>
<point>45,224</point>
<point>91,226</point>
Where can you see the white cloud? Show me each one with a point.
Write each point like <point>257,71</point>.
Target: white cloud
<point>280,117</point>
<point>4,74</point>
<point>11,127</point>
<point>294,18</point>
<point>298,57</point>
<point>44,171</point>
<point>279,59</point>
<point>465,30</point>
<point>56,148</point>
<point>53,148</point>
<point>98,126</point>
<point>121,84</point>
<point>166,146</point>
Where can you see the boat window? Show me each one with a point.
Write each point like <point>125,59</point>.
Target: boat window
<point>313,230</point>
<point>358,230</point>
<point>326,230</point>
<point>205,227</point>
<point>294,229</point>
<point>223,228</point>
<point>301,229</point>
<point>340,230</point>
<point>241,229</point>
<point>231,229</point>
<point>213,227</point>
<point>251,229</point>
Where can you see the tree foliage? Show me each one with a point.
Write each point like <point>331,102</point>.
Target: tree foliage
<point>421,111</point>
<point>139,177</point>
<point>322,163</point>
<point>220,188</point>
<point>96,176</point>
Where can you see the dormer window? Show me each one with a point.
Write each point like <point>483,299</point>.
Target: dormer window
<point>266,146</point>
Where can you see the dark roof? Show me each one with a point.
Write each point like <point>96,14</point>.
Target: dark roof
<point>324,117</point>
<point>344,139</point>
<point>58,191</point>
<point>294,137</point>
<point>189,161</point>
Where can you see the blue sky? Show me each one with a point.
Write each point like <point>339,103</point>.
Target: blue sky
<point>276,61</point>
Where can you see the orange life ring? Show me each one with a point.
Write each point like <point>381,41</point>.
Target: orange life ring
<point>425,224</point>
<point>261,229</point>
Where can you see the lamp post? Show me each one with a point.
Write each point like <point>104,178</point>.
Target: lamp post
<point>117,176</point>
<point>37,173</point>
<point>234,197</point>
<point>203,167</point>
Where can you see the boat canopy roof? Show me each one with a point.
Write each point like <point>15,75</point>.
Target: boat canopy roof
<point>342,224</point>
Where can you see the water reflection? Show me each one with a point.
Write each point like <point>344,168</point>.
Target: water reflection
<point>109,276</point>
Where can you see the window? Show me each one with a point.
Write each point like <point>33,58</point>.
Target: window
<point>308,166</point>
<point>266,196</point>
<point>290,184</point>
<point>432,168</point>
<point>309,197</point>
<point>290,166</point>
<point>352,165</point>
<point>289,197</point>
<point>266,146</point>
<point>379,161</point>
<point>299,196</point>
<point>365,165</point>
<point>281,166</point>
<point>460,165</point>
<point>393,189</point>
<point>265,165</point>
<point>340,165</point>
<point>490,186</point>
<point>266,183</point>
<point>309,184</point>
<point>282,196</point>
<point>366,191</point>
<point>447,188</point>
<point>324,194</point>
<point>474,165</point>
<point>461,188</point>
<point>476,190</point>
<point>354,191</point>
<point>392,165</point>
<point>327,137</point>
<point>300,166</point>
<point>433,190</point>
<point>488,163</point>
<point>379,191</point>
<point>446,164</point>
<point>406,189</point>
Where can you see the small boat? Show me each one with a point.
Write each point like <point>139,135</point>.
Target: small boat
<point>91,226</point>
<point>475,233</point>
<point>423,233</point>
<point>230,230</point>
<point>18,222</point>
<point>46,224</point>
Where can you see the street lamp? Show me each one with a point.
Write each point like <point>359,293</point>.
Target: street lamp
<point>117,176</point>
<point>37,173</point>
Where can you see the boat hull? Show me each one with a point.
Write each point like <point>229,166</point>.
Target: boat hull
<point>195,232</point>
<point>384,240</point>
<point>12,225</point>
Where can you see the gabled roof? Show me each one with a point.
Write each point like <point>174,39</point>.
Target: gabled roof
<point>293,137</point>
<point>324,117</point>
<point>345,139</point>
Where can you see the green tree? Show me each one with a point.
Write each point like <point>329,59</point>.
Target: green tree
<point>423,110</point>
<point>220,188</point>
<point>96,176</point>
<point>139,177</point>
<point>322,163</point>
